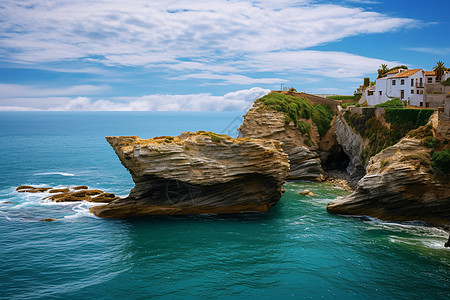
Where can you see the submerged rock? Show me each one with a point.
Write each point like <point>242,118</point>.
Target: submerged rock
<point>48,220</point>
<point>31,189</point>
<point>198,173</point>
<point>307,193</point>
<point>399,186</point>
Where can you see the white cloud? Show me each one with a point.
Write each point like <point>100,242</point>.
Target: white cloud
<point>148,33</point>
<point>434,50</point>
<point>232,78</point>
<point>240,100</point>
<point>333,64</point>
<point>18,90</point>
<point>365,1</point>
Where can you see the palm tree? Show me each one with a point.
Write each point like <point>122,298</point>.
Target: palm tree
<point>439,69</point>
<point>383,70</point>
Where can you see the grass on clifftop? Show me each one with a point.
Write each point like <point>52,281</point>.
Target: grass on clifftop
<point>296,108</point>
<point>394,103</point>
<point>380,137</point>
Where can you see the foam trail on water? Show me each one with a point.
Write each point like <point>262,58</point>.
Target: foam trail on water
<point>54,173</point>
<point>82,210</point>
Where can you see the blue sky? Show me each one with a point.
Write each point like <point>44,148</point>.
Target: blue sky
<point>205,55</point>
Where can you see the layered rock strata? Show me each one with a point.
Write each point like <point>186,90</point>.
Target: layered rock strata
<point>399,186</point>
<point>304,160</point>
<point>352,144</point>
<point>198,173</point>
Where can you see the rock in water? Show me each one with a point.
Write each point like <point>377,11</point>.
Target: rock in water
<point>198,173</point>
<point>399,186</point>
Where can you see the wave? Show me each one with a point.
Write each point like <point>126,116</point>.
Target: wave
<point>82,210</point>
<point>54,173</point>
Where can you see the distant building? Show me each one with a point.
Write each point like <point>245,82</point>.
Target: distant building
<point>408,85</point>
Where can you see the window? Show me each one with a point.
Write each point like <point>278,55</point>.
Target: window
<point>430,80</point>
<point>370,93</point>
<point>393,81</point>
<point>412,81</point>
<point>417,91</point>
<point>438,79</point>
<point>402,82</point>
<point>380,92</point>
<point>421,103</point>
<point>412,91</point>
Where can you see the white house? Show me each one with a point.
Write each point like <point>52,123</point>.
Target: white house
<point>404,84</point>
<point>407,85</point>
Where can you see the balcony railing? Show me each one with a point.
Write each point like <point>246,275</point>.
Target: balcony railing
<point>419,85</point>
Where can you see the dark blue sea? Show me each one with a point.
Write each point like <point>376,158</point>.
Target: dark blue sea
<point>297,250</point>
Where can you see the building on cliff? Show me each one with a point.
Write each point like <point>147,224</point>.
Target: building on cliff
<point>409,85</point>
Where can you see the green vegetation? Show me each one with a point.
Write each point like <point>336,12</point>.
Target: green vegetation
<point>423,158</point>
<point>295,108</point>
<point>384,69</point>
<point>446,82</point>
<point>215,138</point>
<point>380,137</point>
<point>304,127</point>
<point>441,162</point>
<point>343,97</point>
<point>168,139</point>
<point>412,118</point>
<point>439,69</point>
<point>395,102</point>
<point>366,81</point>
<point>430,142</point>
<point>345,105</point>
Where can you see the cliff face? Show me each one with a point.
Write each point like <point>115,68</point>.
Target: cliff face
<point>352,144</point>
<point>198,173</point>
<point>304,160</point>
<point>399,186</point>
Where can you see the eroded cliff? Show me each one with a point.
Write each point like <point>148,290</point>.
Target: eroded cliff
<point>296,131</point>
<point>401,185</point>
<point>198,173</point>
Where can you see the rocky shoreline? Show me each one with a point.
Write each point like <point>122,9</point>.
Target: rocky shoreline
<point>209,173</point>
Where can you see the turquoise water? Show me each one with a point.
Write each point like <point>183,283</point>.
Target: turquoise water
<point>297,250</point>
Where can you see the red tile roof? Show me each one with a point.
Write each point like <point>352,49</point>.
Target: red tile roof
<point>429,73</point>
<point>407,73</point>
<point>395,71</point>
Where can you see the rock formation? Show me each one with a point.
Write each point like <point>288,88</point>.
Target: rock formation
<point>400,186</point>
<point>198,173</point>
<point>304,160</point>
<point>78,193</point>
<point>352,144</point>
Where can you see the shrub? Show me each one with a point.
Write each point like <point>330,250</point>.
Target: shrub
<point>379,136</point>
<point>357,105</point>
<point>441,162</point>
<point>391,103</point>
<point>296,108</point>
<point>345,105</point>
<point>343,97</point>
<point>418,117</point>
<point>430,142</point>
<point>304,127</point>
<point>446,82</point>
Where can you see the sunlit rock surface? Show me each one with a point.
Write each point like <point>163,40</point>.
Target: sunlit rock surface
<point>198,173</point>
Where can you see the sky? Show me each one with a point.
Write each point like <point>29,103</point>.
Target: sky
<point>209,55</point>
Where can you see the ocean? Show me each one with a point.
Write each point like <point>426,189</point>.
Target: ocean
<point>296,250</point>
